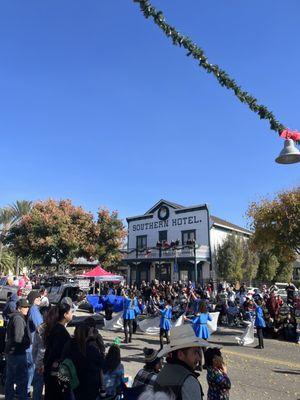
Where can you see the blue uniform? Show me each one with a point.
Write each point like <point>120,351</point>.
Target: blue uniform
<point>200,325</point>
<point>259,318</point>
<point>165,320</point>
<point>128,308</point>
<point>137,309</point>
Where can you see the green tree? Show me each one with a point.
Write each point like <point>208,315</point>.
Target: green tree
<point>276,225</point>
<point>54,230</point>
<point>267,268</point>
<point>284,272</point>
<point>230,258</point>
<point>111,236</point>
<point>250,263</point>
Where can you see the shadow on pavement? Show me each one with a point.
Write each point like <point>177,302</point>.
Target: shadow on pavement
<point>148,340</point>
<point>222,343</point>
<point>230,333</point>
<point>289,372</point>
<point>139,360</point>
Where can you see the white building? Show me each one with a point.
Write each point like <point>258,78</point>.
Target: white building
<point>171,242</point>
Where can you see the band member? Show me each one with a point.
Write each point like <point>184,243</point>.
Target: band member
<point>128,315</point>
<point>165,322</point>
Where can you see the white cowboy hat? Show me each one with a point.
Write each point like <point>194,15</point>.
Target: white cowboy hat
<point>182,337</point>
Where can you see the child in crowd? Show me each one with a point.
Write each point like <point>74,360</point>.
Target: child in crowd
<point>113,372</point>
<point>218,382</point>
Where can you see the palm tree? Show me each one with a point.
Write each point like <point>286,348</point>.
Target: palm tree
<point>10,216</point>
<point>19,209</point>
<point>7,261</point>
<point>6,218</point>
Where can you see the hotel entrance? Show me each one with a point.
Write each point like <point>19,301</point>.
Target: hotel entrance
<point>163,272</point>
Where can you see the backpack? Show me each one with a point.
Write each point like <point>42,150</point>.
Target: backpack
<point>67,375</point>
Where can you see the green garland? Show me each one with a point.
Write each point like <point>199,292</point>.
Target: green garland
<point>198,54</point>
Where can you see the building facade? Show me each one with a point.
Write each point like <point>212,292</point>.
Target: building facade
<point>171,242</point>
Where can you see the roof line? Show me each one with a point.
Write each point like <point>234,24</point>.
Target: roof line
<point>169,203</point>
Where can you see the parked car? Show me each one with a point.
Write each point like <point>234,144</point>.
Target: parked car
<point>57,292</point>
<point>6,290</point>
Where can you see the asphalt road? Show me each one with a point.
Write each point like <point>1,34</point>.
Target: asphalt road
<point>271,373</point>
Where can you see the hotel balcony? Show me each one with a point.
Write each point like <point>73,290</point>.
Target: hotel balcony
<point>171,253</point>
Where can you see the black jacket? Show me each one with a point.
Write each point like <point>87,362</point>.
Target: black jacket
<point>88,369</point>
<point>54,345</point>
<point>18,339</point>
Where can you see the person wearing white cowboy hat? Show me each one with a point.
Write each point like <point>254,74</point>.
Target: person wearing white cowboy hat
<point>184,355</point>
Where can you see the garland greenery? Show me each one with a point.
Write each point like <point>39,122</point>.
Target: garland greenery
<point>198,54</point>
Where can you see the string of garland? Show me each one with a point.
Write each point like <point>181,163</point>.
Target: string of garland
<point>198,54</point>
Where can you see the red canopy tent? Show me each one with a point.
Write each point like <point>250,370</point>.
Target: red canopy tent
<point>100,274</point>
<point>97,271</point>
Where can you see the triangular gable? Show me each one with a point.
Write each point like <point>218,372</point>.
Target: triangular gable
<point>163,202</point>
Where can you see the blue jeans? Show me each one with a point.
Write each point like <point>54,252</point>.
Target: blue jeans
<point>16,373</point>
<point>30,366</point>
<point>38,383</point>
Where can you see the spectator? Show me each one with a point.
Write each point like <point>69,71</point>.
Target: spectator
<point>148,374</point>
<point>113,371</point>
<point>38,352</point>
<point>94,337</point>
<point>55,337</point>
<point>34,320</point>
<point>44,305</point>
<point>290,290</point>
<point>17,343</point>
<point>218,382</point>
<point>88,363</point>
<point>184,356</point>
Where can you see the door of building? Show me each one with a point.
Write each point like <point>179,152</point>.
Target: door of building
<point>163,272</point>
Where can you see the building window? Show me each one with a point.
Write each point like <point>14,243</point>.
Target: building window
<point>162,235</point>
<point>187,235</point>
<point>141,242</point>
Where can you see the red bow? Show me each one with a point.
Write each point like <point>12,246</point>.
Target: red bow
<point>288,134</point>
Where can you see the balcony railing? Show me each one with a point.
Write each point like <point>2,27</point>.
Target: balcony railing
<point>200,252</point>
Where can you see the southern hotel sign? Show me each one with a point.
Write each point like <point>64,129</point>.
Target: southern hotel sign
<point>166,223</point>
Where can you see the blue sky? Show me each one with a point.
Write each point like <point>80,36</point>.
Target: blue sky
<point>98,106</point>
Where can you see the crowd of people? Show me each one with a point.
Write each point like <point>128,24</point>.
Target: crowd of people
<point>42,357</point>
<point>278,319</point>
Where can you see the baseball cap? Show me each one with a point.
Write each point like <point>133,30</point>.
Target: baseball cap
<point>23,303</point>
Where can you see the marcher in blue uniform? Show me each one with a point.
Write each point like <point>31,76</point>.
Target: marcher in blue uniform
<point>128,316</point>
<point>260,324</point>
<point>200,322</point>
<point>200,325</point>
<point>165,323</point>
